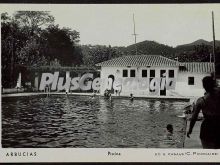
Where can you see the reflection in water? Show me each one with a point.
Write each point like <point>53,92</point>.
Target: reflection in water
<point>81,121</point>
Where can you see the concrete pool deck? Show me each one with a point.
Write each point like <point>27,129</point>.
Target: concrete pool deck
<point>42,93</point>
<point>89,94</point>
<point>194,140</point>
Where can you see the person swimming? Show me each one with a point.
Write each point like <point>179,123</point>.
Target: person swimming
<point>107,95</point>
<point>93,95</point>
<point>170,128</point>
<point>131,97</point>
<point>168,140</point>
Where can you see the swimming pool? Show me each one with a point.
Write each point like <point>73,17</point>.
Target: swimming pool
<point>82,122</point>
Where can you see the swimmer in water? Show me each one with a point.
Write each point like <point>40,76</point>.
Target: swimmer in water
<point>169,128</point>
<point>131,97</point>
<point>67,92</point>
<point>168,140</point>
<point>106,93</point>
<point>92,97</point>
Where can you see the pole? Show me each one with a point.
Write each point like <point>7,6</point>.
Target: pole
<point>213,49</point>
<point>12,57</point>
<point>135,35</point>
<point>177,61</point>
<point>134,30</point>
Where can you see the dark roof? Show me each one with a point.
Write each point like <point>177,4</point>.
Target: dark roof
<point>199,67</point>
<point>139,60</point>
<point>158,60</point>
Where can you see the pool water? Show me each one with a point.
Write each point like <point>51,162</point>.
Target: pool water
<point>83,122</point>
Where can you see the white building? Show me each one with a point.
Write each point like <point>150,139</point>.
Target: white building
<point>153,75</point>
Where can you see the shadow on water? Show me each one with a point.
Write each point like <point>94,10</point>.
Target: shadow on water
<point>82,121</point>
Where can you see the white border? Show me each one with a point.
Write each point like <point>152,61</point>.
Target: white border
<point>100,154</point>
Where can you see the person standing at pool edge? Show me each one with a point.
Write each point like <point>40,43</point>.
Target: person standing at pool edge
<point>210,106</point>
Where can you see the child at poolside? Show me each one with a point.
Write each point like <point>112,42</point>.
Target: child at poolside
<point>116,92</point>
<point>93,95</point>
<point>110,96</point>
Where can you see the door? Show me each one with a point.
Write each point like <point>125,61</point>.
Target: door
<point>163,76</point>
<point>111,79</point>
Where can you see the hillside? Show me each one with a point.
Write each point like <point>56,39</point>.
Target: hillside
<point>200,42</point>
<point>150,47</point>
<point>197,42</point>
<point>198,50</point>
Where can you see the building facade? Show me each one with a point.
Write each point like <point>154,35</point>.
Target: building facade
<point>153,75</point>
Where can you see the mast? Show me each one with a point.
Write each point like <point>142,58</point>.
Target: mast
<point>213,49</point>
<point>135,35</point>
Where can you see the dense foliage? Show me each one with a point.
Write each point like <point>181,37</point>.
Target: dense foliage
<point>30,38</point>
<point>98,53</point>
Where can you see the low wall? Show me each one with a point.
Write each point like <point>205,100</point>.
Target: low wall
<point>12,90</point>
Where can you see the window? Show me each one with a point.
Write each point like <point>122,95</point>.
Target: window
<point>144,73</point>
<point>191,81</point>
<point>132,73</point>
<point>171,73</point>
<point>152,73</point>
<point>125,73</point>
<point>162,73</point>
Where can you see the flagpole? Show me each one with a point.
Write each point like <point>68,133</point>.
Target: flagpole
<point>135,36</point>
<point>213,49</point>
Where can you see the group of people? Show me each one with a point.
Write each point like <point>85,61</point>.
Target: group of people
<point>107,95</point>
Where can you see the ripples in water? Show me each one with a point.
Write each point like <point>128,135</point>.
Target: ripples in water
<point>79,121</point>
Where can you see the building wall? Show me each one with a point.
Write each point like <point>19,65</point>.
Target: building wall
<point>182,87</point>
<point>134,88</point>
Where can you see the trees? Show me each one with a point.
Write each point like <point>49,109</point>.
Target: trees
<point>61,44</point>
<point>20,42</point>
<point>30,38</point>
<point>12,39</point>
<point>99,53</point>
<point>32,21</point>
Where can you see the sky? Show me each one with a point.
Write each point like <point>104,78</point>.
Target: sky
<point>105,24</point>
